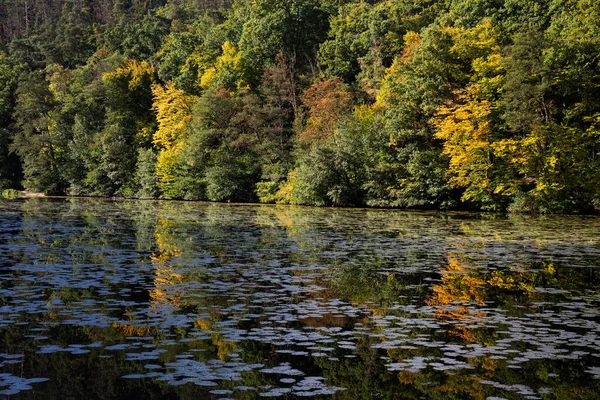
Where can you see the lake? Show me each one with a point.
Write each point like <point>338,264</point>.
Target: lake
<point>147,299</point>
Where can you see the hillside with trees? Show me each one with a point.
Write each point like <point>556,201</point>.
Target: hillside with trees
<point>437,104</point>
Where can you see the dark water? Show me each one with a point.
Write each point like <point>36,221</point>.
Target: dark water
<point>151,300</point>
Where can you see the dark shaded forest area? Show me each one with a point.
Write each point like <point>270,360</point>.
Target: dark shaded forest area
<point>442,104</point>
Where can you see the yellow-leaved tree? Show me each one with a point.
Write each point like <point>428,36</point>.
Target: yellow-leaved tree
<point>133,74</point>
<point>226,72</point>
<point>467,134</point>
<point>467,122</point>
<point>173,110</point>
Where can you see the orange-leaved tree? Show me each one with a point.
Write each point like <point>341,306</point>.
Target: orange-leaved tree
<point>327,101</point>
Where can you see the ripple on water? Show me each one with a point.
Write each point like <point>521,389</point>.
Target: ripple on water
<point>423,293</point>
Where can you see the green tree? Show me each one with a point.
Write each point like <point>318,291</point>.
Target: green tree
<point>129,124</point>
<point>137,37</point>
<point>341,169</point>
<point>274,113</point>
<point>365,38</point>
<point>9,163</point>
<point>40,141</point>
<point>186,55</point>
<point>414,87</point>
<point>84,103</point>
<point>294,28</point>
<point>75,39</point>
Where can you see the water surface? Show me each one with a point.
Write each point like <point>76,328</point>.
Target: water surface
<point>108,299</point>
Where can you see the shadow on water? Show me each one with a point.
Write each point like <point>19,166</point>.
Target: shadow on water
<point>148,299</point>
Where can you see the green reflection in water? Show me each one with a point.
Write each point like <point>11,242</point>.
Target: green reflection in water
<point>115,299</point>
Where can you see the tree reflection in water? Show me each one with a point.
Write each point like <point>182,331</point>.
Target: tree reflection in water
<point>114,299</point>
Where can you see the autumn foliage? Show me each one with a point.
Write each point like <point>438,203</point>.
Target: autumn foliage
<point>463,104</point>
<point>326,101</point>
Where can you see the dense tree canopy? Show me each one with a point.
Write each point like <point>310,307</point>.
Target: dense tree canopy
<point>478,104</point>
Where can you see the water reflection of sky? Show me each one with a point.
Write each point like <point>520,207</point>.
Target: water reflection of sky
<point>228,301</point>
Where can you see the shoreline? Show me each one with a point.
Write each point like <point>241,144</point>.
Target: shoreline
<point>32,195</point>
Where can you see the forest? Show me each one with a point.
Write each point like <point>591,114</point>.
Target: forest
<point>430,104</point>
